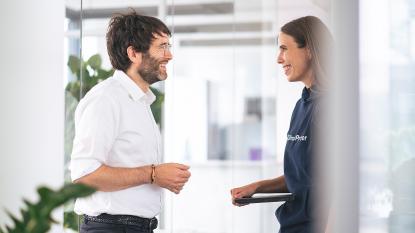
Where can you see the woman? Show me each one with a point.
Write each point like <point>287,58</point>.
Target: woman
<point>304,53</point>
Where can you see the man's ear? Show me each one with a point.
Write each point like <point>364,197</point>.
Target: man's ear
<point>134,56</point>
<point>309,55</point>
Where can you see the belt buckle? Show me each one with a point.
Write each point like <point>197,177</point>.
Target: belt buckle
<point>153,223</point>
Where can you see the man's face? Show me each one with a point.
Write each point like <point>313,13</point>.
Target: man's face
<point>295,61</point>
<point>153,66</point>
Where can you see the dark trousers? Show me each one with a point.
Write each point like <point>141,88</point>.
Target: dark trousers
<point>95,227</point>
<point>116,224</point>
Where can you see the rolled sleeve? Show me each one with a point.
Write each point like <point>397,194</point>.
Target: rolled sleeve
<point>96,124</point>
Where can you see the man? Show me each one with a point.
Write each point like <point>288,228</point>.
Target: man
<point>117,146</point>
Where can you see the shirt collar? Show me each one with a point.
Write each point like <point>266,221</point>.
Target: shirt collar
<point>310,93</point>
<point>134,91</point>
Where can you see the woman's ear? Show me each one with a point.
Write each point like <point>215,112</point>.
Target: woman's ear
<point>134,56</point>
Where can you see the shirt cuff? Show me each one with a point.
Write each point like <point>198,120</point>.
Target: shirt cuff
<point>83,167</point>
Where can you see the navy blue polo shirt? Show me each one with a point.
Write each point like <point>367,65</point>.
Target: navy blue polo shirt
<point>295,216</point>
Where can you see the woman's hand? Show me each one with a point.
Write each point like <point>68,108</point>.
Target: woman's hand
<point>244,191</point>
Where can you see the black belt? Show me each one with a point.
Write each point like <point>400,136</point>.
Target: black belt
<point>145,223</point>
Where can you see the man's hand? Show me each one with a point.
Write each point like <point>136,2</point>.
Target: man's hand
<point>244,191</point>
<point>171,176</point>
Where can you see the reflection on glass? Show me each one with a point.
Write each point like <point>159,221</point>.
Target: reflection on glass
<point>402,118</point>
<point>387,117</point>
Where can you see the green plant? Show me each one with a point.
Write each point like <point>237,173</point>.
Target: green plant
<point>88,74</point>
<point>36,218</point>
<point>157,106</point>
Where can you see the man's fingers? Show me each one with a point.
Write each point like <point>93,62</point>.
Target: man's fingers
<point>181,180</point>
<point>182,166</point>
<point>176,188</point>
<point>181,184</point>
<point>187,174</point>
<point>184,174</point>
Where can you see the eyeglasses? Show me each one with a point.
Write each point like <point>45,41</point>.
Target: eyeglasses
<point>165,47</point>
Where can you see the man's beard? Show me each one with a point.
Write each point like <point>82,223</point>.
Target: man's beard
<point>149,69</point>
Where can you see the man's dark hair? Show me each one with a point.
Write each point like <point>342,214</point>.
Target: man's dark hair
<point>311,32</point>
<point>134,30</point>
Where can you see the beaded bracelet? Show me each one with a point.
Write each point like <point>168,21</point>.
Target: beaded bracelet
<point>153,173</point>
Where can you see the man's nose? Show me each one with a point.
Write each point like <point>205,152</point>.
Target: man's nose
<point>168,55</point>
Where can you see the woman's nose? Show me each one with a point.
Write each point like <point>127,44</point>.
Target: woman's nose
<point>280,58</point>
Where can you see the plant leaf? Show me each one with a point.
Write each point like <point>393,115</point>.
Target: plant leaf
<point>95,61</point>
<point>104,74</point>
<point>74,63</point>
<point>37,218</point>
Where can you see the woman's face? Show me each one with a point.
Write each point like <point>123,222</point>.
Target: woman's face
<point>295,61</point>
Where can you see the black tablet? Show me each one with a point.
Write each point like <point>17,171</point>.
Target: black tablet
<point>265,197</point>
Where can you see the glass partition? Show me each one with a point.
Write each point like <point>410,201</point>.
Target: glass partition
<point>220,103</point>
<point>227,110</point>
<point>72,87</point>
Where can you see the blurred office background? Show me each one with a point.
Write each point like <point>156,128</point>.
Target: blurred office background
<point>226,108</point>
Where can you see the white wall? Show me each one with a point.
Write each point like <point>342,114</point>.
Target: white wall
<point>31,99</point>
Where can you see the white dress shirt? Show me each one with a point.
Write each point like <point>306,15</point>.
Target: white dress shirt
<point>114,126</point>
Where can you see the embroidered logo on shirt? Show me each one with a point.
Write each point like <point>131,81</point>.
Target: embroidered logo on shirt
<point>297,137</point>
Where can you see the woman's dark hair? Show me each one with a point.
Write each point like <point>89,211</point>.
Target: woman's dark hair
<point>310,32</point>
<point>134,30</point>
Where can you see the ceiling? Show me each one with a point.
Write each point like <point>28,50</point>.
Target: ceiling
<point>201,22</point>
